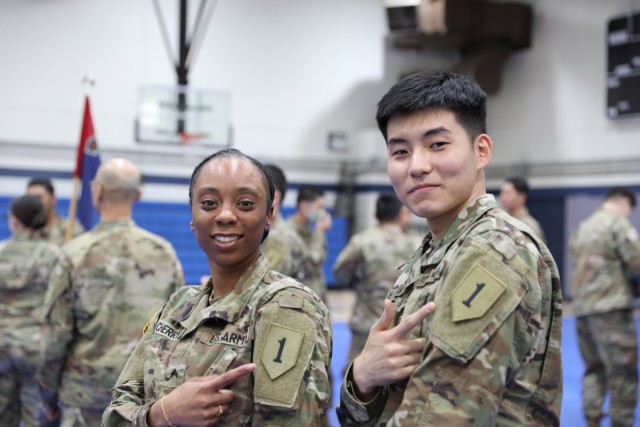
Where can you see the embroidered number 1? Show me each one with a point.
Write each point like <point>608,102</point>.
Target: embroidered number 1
<point>479,287</point>
<point>278,357</point>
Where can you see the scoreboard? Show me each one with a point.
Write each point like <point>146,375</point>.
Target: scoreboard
<point>623,66</point>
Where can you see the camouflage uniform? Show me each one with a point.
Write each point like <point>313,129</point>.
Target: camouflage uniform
<point>57,232</point>
<point>315,252</point>
<point>492,355</point>
<point>110,282</point>
<point>604,249</point>
<point>25,266</point>
<point>284,249</point>
<point>530,221</point>
<point>196,335</point>
<point>370,263</point>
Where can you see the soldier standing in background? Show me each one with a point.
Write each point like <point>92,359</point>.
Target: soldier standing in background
<point>369,263</point>
<point>311,221</point>
<point>56,229</point>
<point>108,284</point>
<point>26,262</point>
<point>283,248</point>
<point>513,198</point>
<point>605,252</point>
<point>490,353</point>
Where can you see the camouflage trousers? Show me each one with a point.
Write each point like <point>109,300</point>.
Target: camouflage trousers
<point>609,346</point>
<point>80,417</point>
<point>19,394</point>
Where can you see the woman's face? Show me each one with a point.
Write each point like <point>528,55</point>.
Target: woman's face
<point>229,212</point>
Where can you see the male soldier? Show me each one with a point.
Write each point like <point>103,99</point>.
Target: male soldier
<point>110,282</point>
<point>311,222</point>
<point>490,354</point>
<point>56,229</point>
<point>283,248</point>
<point>369,263</point>
<point>513,198</point>
<point>605,250</point>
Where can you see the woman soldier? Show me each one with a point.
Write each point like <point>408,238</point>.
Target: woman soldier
<point>251,346</point>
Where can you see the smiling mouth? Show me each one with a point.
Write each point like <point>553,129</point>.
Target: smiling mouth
<point>225,239</point>
<point>421,187</point>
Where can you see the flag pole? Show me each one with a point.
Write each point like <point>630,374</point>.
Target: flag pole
<point>87,82</point>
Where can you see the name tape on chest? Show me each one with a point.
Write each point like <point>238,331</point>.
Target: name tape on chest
<point>167,331</point>
<point>476,293</point>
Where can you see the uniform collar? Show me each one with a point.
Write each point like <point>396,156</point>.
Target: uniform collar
<point>229,307</point>
<point>436,249</point>
<point>114,223</point>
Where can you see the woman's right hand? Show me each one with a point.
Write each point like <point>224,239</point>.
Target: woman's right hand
<point>201,401</point>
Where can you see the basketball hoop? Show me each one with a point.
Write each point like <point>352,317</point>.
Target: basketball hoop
<point>188,138</point>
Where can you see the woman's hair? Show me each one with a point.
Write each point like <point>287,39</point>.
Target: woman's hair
<point>232,152</point>
<point>29,210</point>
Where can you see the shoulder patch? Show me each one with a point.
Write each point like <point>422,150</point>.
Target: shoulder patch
<point>475,294</point>
<point>284,345</point>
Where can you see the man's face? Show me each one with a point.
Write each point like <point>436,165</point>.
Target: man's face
<point>510,199</point>
<point>313,210</point>
<point>433,165</point>
<point>48,199</point>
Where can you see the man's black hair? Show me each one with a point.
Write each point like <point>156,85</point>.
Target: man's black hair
<point>436,90</point>
<point>519,183</point>
<point>279,180</point>
<point>43,182</point>
<point>622,192</point>
<point>387,207</point>
<point>309,193</point>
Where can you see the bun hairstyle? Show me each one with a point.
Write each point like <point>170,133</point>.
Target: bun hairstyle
<point>29,210</point>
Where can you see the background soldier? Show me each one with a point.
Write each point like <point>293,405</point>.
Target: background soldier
<point>26,263</point>
<point>56,228</point>
<point>513,198</point>
<point>311,222</point>
<point>108,285</point>
<point>283,248</point>
<point>369,263</point>
<point>605,250</point>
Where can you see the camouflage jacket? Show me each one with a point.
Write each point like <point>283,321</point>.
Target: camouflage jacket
<point>57,232</point>
<point>25,266</point>
<point>604,250</point>
<point>492,355</point>
<point>315,252</point>
<point>532,223</point>
<point>284,249</point>
<point>369,263</point>
<point>196,335</point>
<point>110,282</point>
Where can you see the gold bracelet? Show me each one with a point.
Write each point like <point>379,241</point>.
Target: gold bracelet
<point>165,412</point>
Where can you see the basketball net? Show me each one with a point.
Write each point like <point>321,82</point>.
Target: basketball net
<point>188,138</point>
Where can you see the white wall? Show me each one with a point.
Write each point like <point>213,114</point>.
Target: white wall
<point>552,106</point>
<point>295,70</point>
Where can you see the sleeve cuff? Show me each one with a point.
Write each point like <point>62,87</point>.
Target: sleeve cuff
<point>359,410</point>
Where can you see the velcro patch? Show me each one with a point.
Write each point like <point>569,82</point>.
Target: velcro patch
<point>475,294</point>
<point>280,351</point>
<point>284,340</point>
